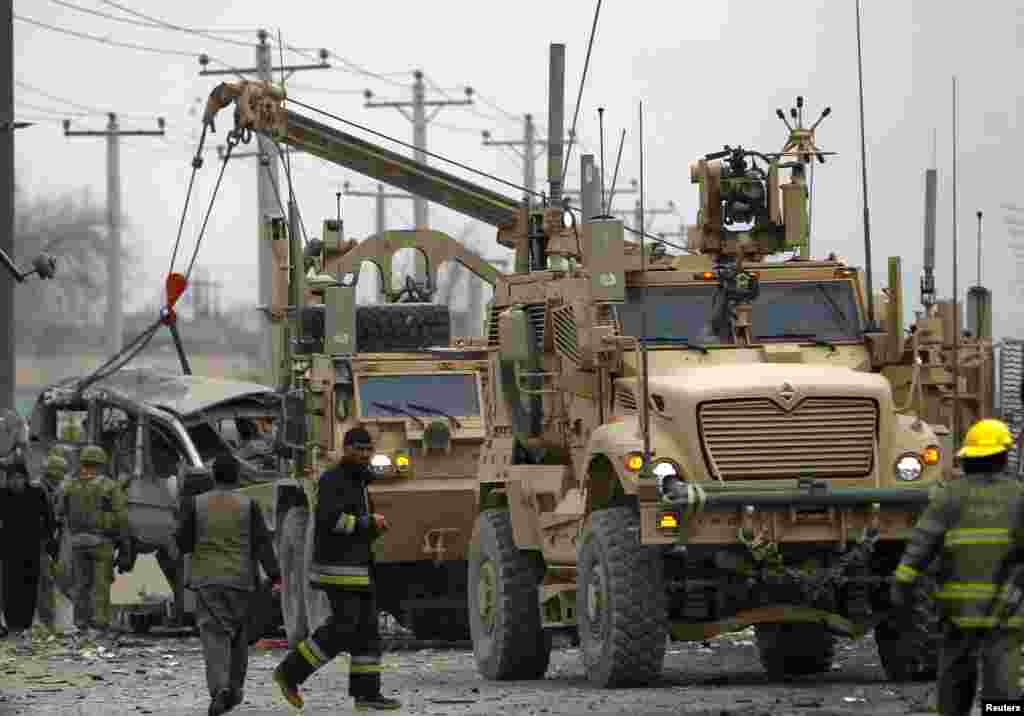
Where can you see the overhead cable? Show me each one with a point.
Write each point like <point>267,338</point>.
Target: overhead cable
<point>104,40</point>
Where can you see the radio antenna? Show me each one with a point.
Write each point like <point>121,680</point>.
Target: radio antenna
<point>956,294</point>
<point>643,310</point>
<point>600,130</point>
<point>872,326</point>
<point>615,175</point>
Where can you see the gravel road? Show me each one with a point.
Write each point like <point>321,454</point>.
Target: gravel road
<point>41,674</point>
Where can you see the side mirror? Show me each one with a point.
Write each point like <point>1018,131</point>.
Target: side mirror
<point>894,311</point>
<point>514,335</point>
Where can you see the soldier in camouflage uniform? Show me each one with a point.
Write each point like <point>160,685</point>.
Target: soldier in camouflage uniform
<point>46,605</point>
<point>973,523</point>
<point>95,513</point>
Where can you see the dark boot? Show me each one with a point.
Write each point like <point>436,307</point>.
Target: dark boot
<point>289,690</point>
<point>221,703</point>
<point>377,703</point>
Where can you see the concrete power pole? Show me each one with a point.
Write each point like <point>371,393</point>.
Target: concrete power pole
<point>381,204</point>
<point>113,134</point>
<point>7,352</point>
<point>648,212</point>
<point>419,120</point>
<point>269,200</point>
<point>528,155</point>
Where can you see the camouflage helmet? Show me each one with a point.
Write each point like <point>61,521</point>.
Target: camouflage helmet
<point>56,465</point>
<point>93,455</point>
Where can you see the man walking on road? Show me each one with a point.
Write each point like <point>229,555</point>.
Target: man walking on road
<point>94,510</point>
<point>228,540</point>
<point>28,528</point>
<point>973,523</point>
<point>342,565</point>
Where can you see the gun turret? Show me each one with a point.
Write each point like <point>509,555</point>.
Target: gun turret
<point>742,215</point>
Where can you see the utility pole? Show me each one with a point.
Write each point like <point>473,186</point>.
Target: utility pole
<point>640,214</point>
<point>419,120</point>
<point>7,352</point>
<point>381,196</point>
<point>269,199</point>
<point>529,143</point>
<point>113,134</point>
<point>634,188</point>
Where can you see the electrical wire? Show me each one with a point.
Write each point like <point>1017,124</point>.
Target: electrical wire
<point>130,21</point>
<point>105,41</point>
<point>410,146</point>
<point>50,110</point>
<point>171,26</point>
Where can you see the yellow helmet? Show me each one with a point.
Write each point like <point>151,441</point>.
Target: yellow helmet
<point>985,438</point>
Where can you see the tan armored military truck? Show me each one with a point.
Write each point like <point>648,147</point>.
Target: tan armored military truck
<point>685,446</point>
<point>394,369</point>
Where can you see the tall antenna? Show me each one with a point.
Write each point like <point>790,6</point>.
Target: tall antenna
<point>600,130</point>
<point>872,326</point>
<point>956,297</point>
<point>615,175</point>
<point>643,311</point>
<point>979,248</point>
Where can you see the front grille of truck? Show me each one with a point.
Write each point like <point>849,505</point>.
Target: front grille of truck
<point>755,439</point>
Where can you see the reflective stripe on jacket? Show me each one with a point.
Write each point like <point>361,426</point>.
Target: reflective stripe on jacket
<point>223,554</point>
<point>343,532</point>
<point>973,523</point>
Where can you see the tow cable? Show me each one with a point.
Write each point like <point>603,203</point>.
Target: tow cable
<point>176,283</point>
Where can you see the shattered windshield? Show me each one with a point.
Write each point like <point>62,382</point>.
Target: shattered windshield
<point>453,393</point>
<point>784,311</point>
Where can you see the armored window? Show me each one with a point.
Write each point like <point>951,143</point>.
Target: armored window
<point>824,310</point>
<point>673,312</point>
<point>423,395</point>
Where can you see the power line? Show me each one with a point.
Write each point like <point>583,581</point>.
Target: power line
<point>127,20</point>
<point>105,41</point>
<point>85,108</point>
<point>409,146</point>
<point>172,26</point>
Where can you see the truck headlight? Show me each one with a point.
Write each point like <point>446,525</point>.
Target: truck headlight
<point>380,461</point>
<point>908,467</point>
<point>669,478</point>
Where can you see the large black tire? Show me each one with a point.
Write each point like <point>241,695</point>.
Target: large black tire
<point>622,608</point>
<point>385,327</point>
<point>504,609</point>
<point>796,649</point>
<point>908,643</point>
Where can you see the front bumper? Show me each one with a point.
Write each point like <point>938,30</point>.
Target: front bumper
<point>815,514</point>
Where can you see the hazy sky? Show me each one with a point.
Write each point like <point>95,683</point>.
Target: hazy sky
<point>708,74</point>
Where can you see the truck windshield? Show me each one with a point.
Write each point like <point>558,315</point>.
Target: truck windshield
<point>784,311</point>
<point>453,393</point>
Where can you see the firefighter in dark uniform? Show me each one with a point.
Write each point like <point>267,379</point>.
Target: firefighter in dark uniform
<point>342,566</point>
<point>228,540</point>
<point>972,523</point>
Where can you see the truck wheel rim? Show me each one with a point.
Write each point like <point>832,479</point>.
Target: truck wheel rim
<point>597,600</point>
<point>487,595</point>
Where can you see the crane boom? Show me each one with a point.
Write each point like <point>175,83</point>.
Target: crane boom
<point>261,109</point>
